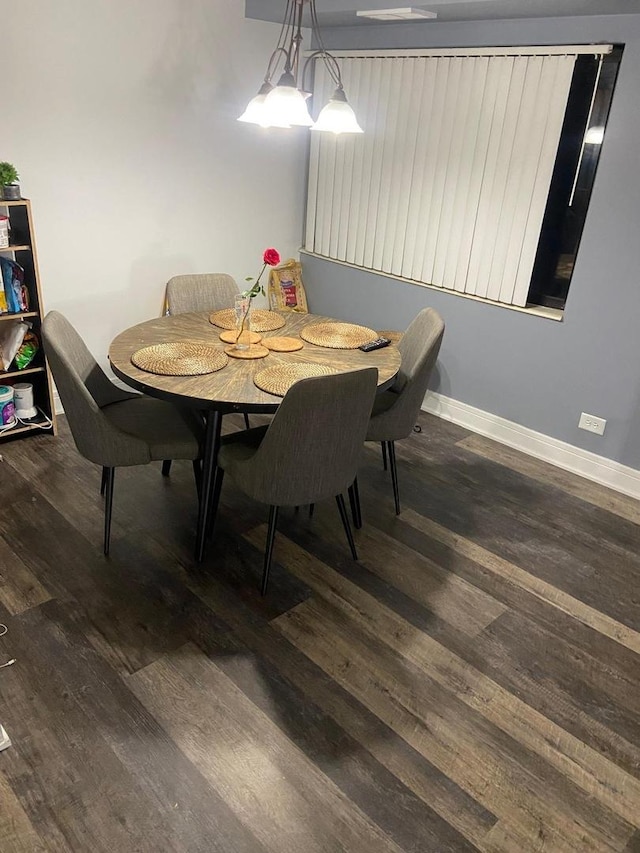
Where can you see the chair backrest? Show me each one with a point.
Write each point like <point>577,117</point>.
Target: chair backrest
<point>419,348</point>
<point>312,447</point>
<point>84,389</point>
<point>203,292</point>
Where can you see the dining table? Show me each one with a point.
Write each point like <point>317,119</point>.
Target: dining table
<point>232,388</point>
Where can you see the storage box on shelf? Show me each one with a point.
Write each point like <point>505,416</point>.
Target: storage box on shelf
<point>22,249</point>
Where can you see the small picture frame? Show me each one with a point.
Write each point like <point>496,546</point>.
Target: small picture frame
<point>286,290</point>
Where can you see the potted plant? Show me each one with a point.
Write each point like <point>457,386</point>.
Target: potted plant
<point>9,186</point>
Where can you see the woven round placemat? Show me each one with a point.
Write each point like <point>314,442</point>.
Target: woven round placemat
<point>261,320</point>
<point>231,336</point>
<point>278,378</point>
<point>180,358</point>
<point>256,351</point>
<point>282,344</point>
<point>337,335</point>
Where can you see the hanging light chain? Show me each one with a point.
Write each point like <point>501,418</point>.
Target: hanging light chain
<point>330,61</point>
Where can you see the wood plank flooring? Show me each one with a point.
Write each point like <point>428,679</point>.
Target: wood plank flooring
<point>471,683</point>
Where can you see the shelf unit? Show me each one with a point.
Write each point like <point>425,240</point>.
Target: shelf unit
<point>22,250</point>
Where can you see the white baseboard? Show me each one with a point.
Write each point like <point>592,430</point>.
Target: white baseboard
<point>57,403</point>
<point>583,462</point>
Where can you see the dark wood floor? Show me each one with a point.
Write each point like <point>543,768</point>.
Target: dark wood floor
<point>473,683</point>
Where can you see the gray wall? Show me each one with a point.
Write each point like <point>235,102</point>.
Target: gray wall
<point>534,371</point>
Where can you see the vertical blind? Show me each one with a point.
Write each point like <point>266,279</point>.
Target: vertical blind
<point>449,182</point>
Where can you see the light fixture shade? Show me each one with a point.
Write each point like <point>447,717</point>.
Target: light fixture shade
<point>256,111</point>
<point>337,116</point>
<point>286,105</point>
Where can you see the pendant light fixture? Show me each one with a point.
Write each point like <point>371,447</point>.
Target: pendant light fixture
<point>285,104</point>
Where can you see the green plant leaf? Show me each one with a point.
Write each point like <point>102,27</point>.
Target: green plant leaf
<point>8,173</point>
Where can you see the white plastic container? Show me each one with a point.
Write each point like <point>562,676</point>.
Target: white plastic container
<point>7,408</point>
<point>4,232</point>
<point>23,400</point>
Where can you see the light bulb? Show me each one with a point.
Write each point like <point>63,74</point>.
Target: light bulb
<point>286,105</point>
<point>256,112</point>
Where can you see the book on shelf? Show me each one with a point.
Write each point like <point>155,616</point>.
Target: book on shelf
<point>14,296</point>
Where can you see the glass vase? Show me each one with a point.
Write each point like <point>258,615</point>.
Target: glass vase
<point>242,307</point>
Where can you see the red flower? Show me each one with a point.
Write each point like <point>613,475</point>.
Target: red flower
<point>271,257</point>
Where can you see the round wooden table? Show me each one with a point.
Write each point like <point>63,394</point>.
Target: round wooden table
<point>230,389</point>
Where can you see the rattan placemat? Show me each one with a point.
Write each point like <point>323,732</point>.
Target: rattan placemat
<point>256,351</point>
<point>282,344</point>
<point>278,378</point>
<point>337,335</point>
<point>231,337</point>
<point>180,358</point>
<point>260,320</point>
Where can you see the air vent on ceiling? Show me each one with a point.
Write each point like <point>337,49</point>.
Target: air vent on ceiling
<point>405,14</point>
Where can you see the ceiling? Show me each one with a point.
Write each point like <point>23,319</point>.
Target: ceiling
<point>342,13</point>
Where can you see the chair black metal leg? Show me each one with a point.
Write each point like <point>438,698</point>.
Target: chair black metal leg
<point>354,501</point>
<point>394,475</point>
<point>166,467</point>
<point>352,504</point>
<point>103,483</point>
<point>197,476</point>
<point>108,506</point>
<point>271,535</point>
<point>356,492</point>
<point>311,509</point>
<point>347,527</point>
<point>246,421</point>
<point>383,445</point>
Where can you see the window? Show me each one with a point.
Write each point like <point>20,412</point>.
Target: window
<point>450,184</point>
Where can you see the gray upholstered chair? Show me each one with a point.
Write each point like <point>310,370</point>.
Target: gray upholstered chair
<point>202,292</point>
<point>309,452</point>
<point>395,411</point>
<point>112,427</point>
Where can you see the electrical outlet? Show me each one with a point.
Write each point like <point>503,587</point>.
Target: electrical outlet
<point>592,424</point>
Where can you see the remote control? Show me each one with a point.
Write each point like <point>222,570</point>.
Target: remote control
<point>377,344</point>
